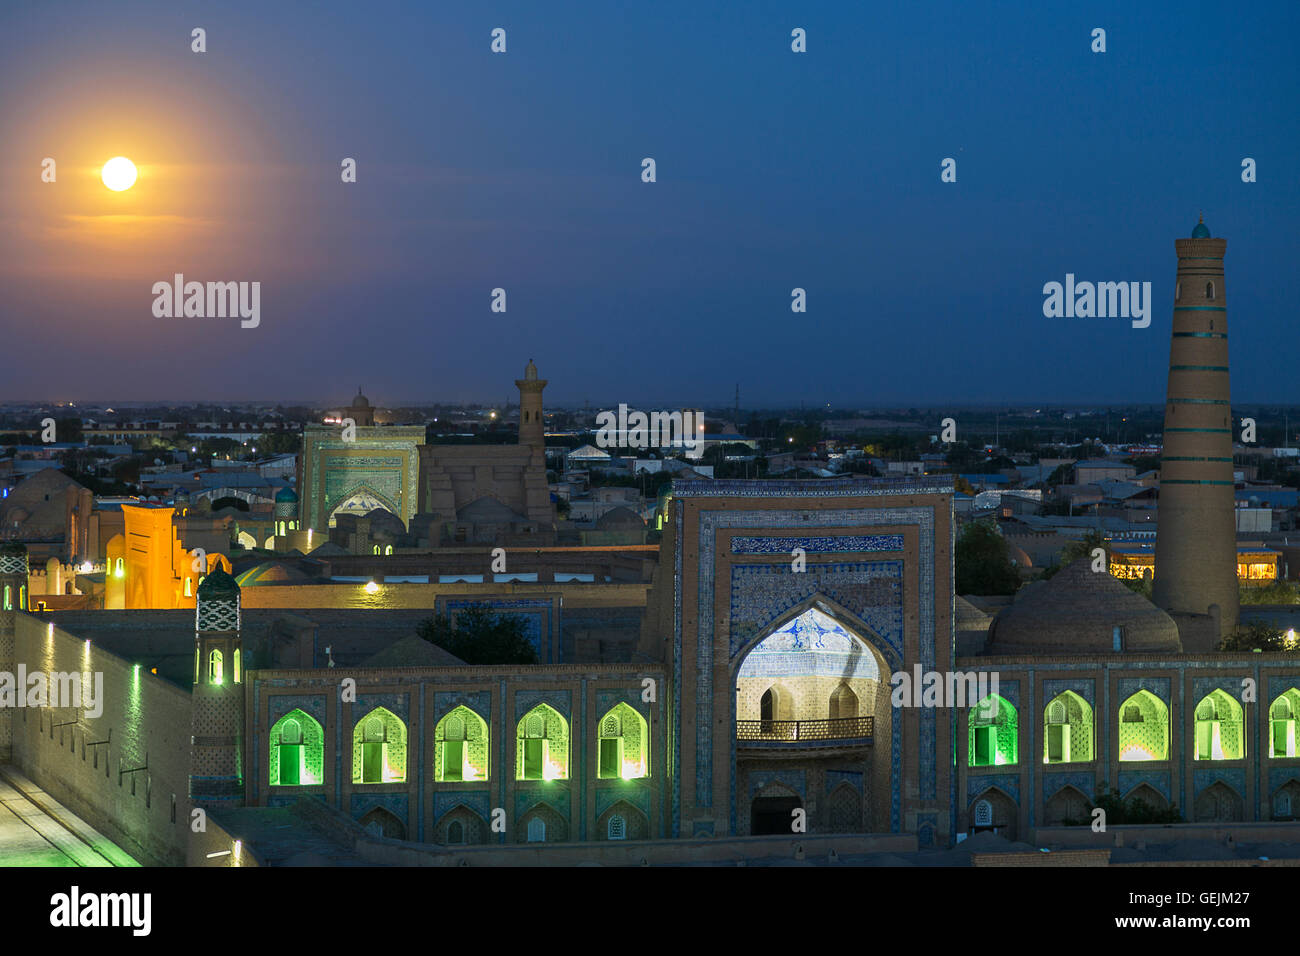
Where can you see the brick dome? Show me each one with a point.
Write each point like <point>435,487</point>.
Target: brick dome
<point>1075,612</point>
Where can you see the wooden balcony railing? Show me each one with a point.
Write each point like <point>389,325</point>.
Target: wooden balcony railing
<point>839,728</point>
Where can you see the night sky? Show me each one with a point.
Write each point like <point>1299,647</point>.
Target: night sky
<point>775,170</point>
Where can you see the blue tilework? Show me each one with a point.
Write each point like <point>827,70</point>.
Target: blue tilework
<point>823,544</point>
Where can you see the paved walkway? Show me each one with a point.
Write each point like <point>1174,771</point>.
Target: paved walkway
<point>37,830</point>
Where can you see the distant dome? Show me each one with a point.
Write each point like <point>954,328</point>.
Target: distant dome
<point>1075,612</point>
<point>360,401</point>
<point>1201,231</point>
<point>272,572</point>
<point>286,494</point>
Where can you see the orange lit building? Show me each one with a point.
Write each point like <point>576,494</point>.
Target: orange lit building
<point>148,567</point>
<point>1256,565</point>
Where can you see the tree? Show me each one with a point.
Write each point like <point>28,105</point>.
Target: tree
<point>983,561</point>
<point>1256,636</point>
<point>1084,548</point>
<point>1277,592</point>
<point>479,636</point>
<point>1133,810</point>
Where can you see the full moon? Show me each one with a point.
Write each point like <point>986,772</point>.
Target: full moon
<point>119,173</point>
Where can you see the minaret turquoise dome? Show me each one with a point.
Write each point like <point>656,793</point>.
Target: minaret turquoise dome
<point>1201,232</point>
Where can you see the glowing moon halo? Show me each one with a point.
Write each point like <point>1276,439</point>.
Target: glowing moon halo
<point>119,173</point>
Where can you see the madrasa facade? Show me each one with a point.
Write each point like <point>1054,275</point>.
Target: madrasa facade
<point>759,700</point>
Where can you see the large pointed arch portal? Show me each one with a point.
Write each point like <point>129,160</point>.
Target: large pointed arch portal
<point>813,700</point>
<point>747,558</point>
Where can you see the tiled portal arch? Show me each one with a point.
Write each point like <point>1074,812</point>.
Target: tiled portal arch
<point>878,551</point>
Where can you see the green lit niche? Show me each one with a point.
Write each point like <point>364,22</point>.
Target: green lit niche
<point>297,751</point>
<point>1282,718</point>
<point>1220,728</point>
<point>1067,729</point>
<point>216,667</point>
<point>379,748</point>
<point>1143,728</point>
<point>239,677</point>
<point>992,724</point>
<point>543,745</point>
<point>460,746</point>
<point>624,745</point>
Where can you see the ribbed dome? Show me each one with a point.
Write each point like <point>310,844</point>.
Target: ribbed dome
<point>271,572</point>
<point>286,494</point>
<point>1075,612</point>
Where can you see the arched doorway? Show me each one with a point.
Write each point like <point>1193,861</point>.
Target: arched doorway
<point>360,503</point>
<point>993,811</point>
<point>812,710</point>
<point>773,811</point>
<point>380,822</point>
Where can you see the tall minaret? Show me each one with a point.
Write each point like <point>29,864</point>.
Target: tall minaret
<point>532,430</point>
<point>217,715</point>
<point>13,598</point>
<point>1196,537</point>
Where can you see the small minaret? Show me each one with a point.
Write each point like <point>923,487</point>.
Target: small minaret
<point>13,598</point>
<point>532,430</point>
<point>217,716</point>
<point>285,511</point>
<point>1196,530</point>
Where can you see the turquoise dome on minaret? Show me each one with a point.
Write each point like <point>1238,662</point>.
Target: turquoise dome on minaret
<point>1201,231</point>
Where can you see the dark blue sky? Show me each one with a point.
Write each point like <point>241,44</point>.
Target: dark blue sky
<point>775,170</point>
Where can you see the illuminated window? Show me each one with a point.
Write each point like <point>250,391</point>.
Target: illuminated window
<point>388,549</point>
<point>1282,724</point>
<point>117,568</point>
<point>1067,732</point>
<point>297,751</point>
<point>542,751</point>
<point>9,598</point>
<point>992,726</point>
<point>460,747</point>
<point>215,667</point>
<point>624,745</point>
<point>376,549</point>
<point>379,748</point>
<point>282,529</point>
<point>1220,728</point>
<point>1144,728</point>
<point>238,676</point>
<point>189,587</point>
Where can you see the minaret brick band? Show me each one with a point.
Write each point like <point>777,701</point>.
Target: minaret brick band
<point>1196,550</point>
